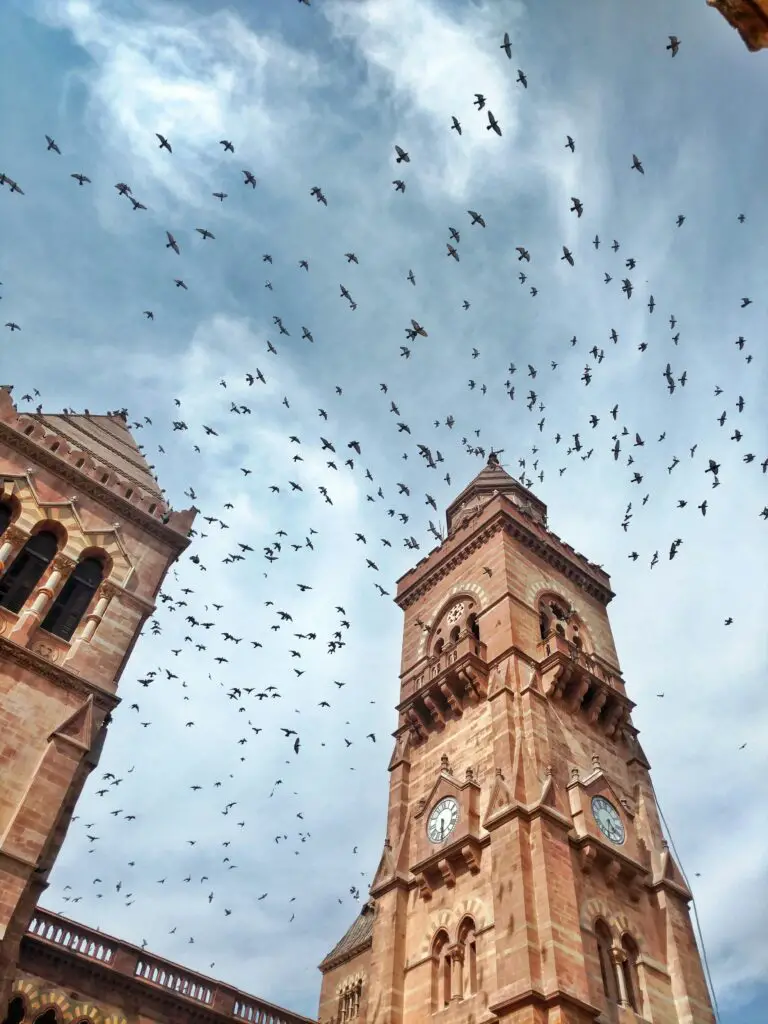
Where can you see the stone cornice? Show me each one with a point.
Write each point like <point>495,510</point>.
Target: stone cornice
<point>544,548</point>
<point>22,656</point>
<point>504,1004</point>
<point>344,958</point>
<point>43,457</point>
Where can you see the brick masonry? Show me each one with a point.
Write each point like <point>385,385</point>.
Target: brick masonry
<point>56,695</point>
<point>523,721</point>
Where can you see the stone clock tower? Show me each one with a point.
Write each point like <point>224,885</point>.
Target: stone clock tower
<point>524,876</point>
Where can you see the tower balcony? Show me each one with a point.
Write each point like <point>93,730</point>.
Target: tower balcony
<point>585,684</point>
<point>442,688</point>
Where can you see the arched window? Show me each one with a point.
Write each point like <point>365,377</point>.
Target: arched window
<point>468,943</point>
<point>73,598</point>
<point>629,970</point>
<point>349,1002</point>
<point>543,624</point>
<point>441,972</point>
<point>6,515</point>
<point>607,972</point>
<point>26,569</point>
<point>15,1011</point>
<point>48,1017</point>
<point>439,645</point>
<point>473,626</point>
<point>455,634</point>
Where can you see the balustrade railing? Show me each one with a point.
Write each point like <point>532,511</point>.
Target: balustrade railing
<point>124,958</point>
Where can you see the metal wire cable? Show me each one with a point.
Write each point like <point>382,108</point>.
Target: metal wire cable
<point>693,901</point>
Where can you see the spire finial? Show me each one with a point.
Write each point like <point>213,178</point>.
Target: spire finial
<point>493,456</point>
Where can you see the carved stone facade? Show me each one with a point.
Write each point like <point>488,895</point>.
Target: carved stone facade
<point>524,877</point>
<point>748,17</point>
<point>81,482</point>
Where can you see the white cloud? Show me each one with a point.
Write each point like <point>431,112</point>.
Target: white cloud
<point>305,109</point>
<point>195,80</point>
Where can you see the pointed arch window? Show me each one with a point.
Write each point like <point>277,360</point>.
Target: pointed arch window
<point>73,598</point>
<point>607,973</point>
<point>6,515</point>
<point>441,972</point>
<point>629,970</point>
<point>24,572</point>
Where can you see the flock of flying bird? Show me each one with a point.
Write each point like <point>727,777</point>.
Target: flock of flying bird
<point>204,620</point>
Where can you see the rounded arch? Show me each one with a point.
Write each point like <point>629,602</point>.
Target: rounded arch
<point>17,1009</point>
<point>51,526</point>
<point>623,926</point>
<point>473,910</point>
<point>556,611</point>
<point>466,924</point>
<point>468,589</point>
<point>99,554</point>
<point>447,629</point>
<point>594,910</point>
<point>10,510</point>
<point>437,922</point>
<point>49,1011</point>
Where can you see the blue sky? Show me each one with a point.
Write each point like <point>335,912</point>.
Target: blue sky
<point>319,96</point>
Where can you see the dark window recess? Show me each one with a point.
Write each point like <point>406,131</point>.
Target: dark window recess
<point>73,599</point>
<point>6,515</point>
<point>15,1011</point>
<point>26,569</point>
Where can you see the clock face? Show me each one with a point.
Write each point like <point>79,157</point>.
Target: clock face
<point>443,819</point>
<point>455,613</point>
<point>608,820</point>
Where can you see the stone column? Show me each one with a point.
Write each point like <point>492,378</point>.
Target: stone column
<point>104,595</point>
<point>456,954</point>
<point>32,615</point>
<point>618,956</point>
<point>13,539</point>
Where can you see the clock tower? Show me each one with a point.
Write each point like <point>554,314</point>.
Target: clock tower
<point>524,876</point>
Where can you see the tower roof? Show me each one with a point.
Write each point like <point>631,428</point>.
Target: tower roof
<point>109,439</point>
<point>355,939</point>
<point>494,479</point>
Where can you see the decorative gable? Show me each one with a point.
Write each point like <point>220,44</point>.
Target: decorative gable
<point>621,856</point>
<point>436,863</point>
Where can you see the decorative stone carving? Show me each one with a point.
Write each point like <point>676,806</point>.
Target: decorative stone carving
<point>63,564</point>
<point>14,535</point>
<point>46,651</point>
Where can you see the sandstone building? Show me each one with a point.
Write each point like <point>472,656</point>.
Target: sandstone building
<point>86,539</point>
<point>748,17</point>
<point>524,877</point>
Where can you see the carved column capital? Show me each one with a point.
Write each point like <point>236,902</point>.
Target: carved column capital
<point>63,564</point>
<point>456,953</point>
<point>14,535</point>
<point>108,590</point>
